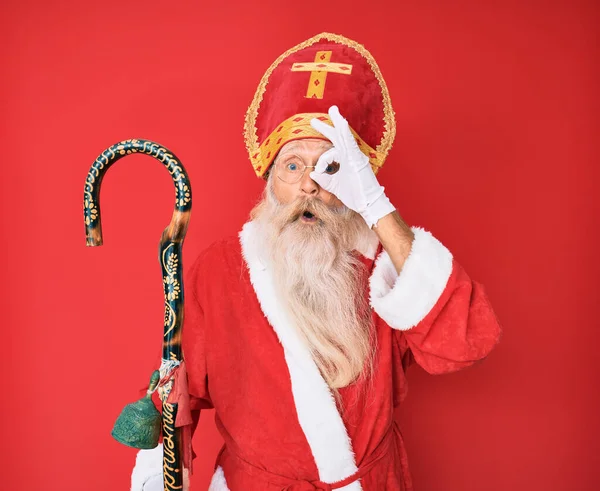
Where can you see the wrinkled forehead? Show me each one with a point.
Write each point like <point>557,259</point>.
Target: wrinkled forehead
<point>306,146</point>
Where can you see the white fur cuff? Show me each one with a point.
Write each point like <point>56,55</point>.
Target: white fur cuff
<point>404,300</point>
<point>218,482</point>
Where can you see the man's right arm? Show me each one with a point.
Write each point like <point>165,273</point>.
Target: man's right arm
<point>147,474</point>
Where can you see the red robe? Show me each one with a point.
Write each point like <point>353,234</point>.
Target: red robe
<point>282,428</point>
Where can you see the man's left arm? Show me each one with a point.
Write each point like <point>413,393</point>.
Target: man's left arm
<point>396,237</point>
<point>417,286</point>
<point>438,311</point>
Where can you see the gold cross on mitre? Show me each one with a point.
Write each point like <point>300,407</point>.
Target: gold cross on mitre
<point>318,73</point>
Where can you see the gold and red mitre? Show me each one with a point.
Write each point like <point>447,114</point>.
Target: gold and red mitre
<point>303,83</point>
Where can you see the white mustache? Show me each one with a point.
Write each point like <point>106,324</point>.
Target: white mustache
<point>315,206</point>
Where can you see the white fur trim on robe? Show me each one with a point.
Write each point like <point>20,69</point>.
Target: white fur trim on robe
<point>317,412</point>
<point>218,482</point>
<point>404,300</point>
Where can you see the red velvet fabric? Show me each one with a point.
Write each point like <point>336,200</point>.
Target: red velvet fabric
<point>236,365</point>
<point>357,95</point>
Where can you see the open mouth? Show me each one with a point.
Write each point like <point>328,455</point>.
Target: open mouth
<point>307,216</point>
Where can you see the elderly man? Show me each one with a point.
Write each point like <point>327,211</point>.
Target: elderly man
<point>299,331</point>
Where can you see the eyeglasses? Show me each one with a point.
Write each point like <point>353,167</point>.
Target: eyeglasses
<point>291,170</point>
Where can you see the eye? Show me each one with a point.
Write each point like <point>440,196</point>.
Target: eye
<point>292,166</point>
<point>332,168</point>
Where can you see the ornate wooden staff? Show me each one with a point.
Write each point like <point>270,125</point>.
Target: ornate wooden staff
<point>139,423</point>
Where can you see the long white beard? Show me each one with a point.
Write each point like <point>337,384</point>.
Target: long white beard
<point>321,281</point>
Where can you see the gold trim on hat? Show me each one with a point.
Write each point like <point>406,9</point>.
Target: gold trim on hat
<point>298,127</point>
<point>259,160</point>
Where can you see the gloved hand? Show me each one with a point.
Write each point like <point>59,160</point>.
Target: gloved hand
<point>147,474</point>
<point>154,484</point>
<point>354,183</point>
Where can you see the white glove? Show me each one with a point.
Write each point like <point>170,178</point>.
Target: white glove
<point>154,484</point>
<point>147,474</point>
<point>354,183</point>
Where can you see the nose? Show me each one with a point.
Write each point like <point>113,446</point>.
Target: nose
<point>307,185</point>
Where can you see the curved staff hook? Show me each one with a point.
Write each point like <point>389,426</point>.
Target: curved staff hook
<point>170,248</point>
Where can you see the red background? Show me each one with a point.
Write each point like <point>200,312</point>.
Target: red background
<point>496,153</point>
